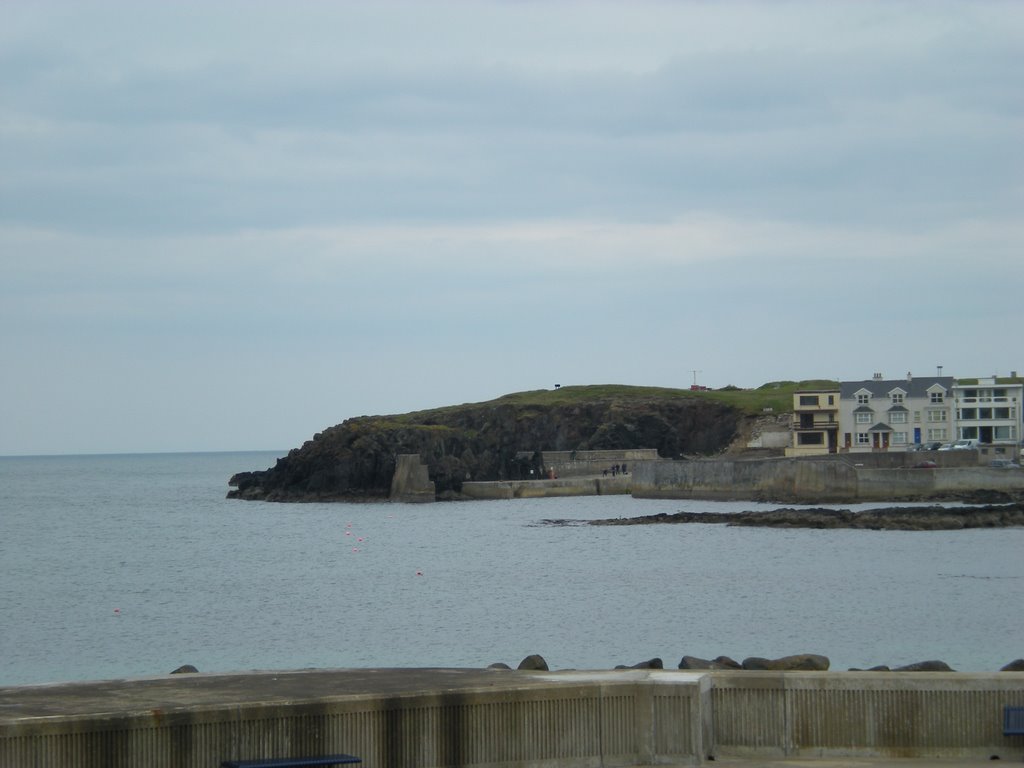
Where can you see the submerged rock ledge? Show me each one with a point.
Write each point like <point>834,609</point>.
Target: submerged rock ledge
<point>931,518</point>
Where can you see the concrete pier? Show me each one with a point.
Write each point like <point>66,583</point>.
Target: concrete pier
<point>440,718</point>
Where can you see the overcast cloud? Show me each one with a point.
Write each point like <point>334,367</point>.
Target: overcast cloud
<point>230,225</point>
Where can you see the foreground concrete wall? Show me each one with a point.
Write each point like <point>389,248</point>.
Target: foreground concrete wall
<point>809,480</point>
<point>536,720</point>
<point>585,725</point>
<point>870,714</point>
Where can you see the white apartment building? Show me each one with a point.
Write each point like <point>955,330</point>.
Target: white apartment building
<point>989,410</point>
<point>894,414</point>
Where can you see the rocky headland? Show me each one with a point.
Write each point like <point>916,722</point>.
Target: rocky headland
<point>903,518</point>
<point>496,440</point>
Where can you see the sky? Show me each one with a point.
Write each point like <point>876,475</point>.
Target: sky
<point>227,226</point>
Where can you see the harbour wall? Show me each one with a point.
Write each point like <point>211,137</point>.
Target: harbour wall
<point>536,489</point>
<point>811,480</point>
<point>510,719</point>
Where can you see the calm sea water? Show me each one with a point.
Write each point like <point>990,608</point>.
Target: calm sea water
<point>121,566</point>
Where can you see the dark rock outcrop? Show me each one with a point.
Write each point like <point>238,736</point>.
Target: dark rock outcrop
<point>184,669</point>
<point>497,440</point>
<point>1017,665</point>
<point>929,518</point>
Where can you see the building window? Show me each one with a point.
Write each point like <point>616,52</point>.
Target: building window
<point>898,417</point>
<point>863,418</point>
<point>968,433</point>
<point>938,397</point>
<point>897,398</point>
<point>1002,413</point>
<point>831,399</point>
<point>967,414</point>
<point>808,400</point>
<point>937,434</point>
<point>936,415</point>
<point>863,399</point>
<point>917,417</point>
<point>899,438</point>
<point>1002,433</point>
<point>984,413</point>
<point>863,438</point>
<point>811,438</point>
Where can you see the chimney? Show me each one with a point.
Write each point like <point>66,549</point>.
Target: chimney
<point>909,377</point>
<point>878,377</point>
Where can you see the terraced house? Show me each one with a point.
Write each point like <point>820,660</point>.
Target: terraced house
<point>893,414</point>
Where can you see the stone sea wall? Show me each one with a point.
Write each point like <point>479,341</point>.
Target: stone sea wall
<point>812,481</point>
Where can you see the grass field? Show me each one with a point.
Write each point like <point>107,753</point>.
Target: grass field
<point>776,396</point>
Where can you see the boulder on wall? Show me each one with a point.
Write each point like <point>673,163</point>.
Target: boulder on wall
<point>801,661</point>
<point>534,662</point>
<point>720,662</point>
<point>654,663</point>
<point>925,666</point>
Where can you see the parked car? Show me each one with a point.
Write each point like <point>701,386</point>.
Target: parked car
<point>964,445</point>
<point>1003,464</point>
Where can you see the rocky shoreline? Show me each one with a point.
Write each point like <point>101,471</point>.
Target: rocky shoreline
<point>929,518</point>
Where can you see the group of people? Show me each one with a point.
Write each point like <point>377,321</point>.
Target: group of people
<point>615,469</point>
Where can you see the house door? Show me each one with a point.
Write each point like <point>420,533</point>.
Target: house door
<point>917,435</point>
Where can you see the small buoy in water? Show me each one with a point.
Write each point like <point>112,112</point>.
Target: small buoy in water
<point>355,549</point>
<point>359,539</point>
<point>419,573</point>
<point>348,533</point>
<point>117,610</point>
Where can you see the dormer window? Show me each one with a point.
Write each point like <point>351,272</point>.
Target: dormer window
<point>897,398</point>
<point>863,398</point>
<point>938,397</point>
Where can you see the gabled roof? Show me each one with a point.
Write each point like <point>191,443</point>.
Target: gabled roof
<point>917,387</point>
<point>863,409</point>
<point>880,427</point>
<point>897,408</point>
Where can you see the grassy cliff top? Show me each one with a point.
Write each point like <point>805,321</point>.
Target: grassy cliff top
<point>776,396</point>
